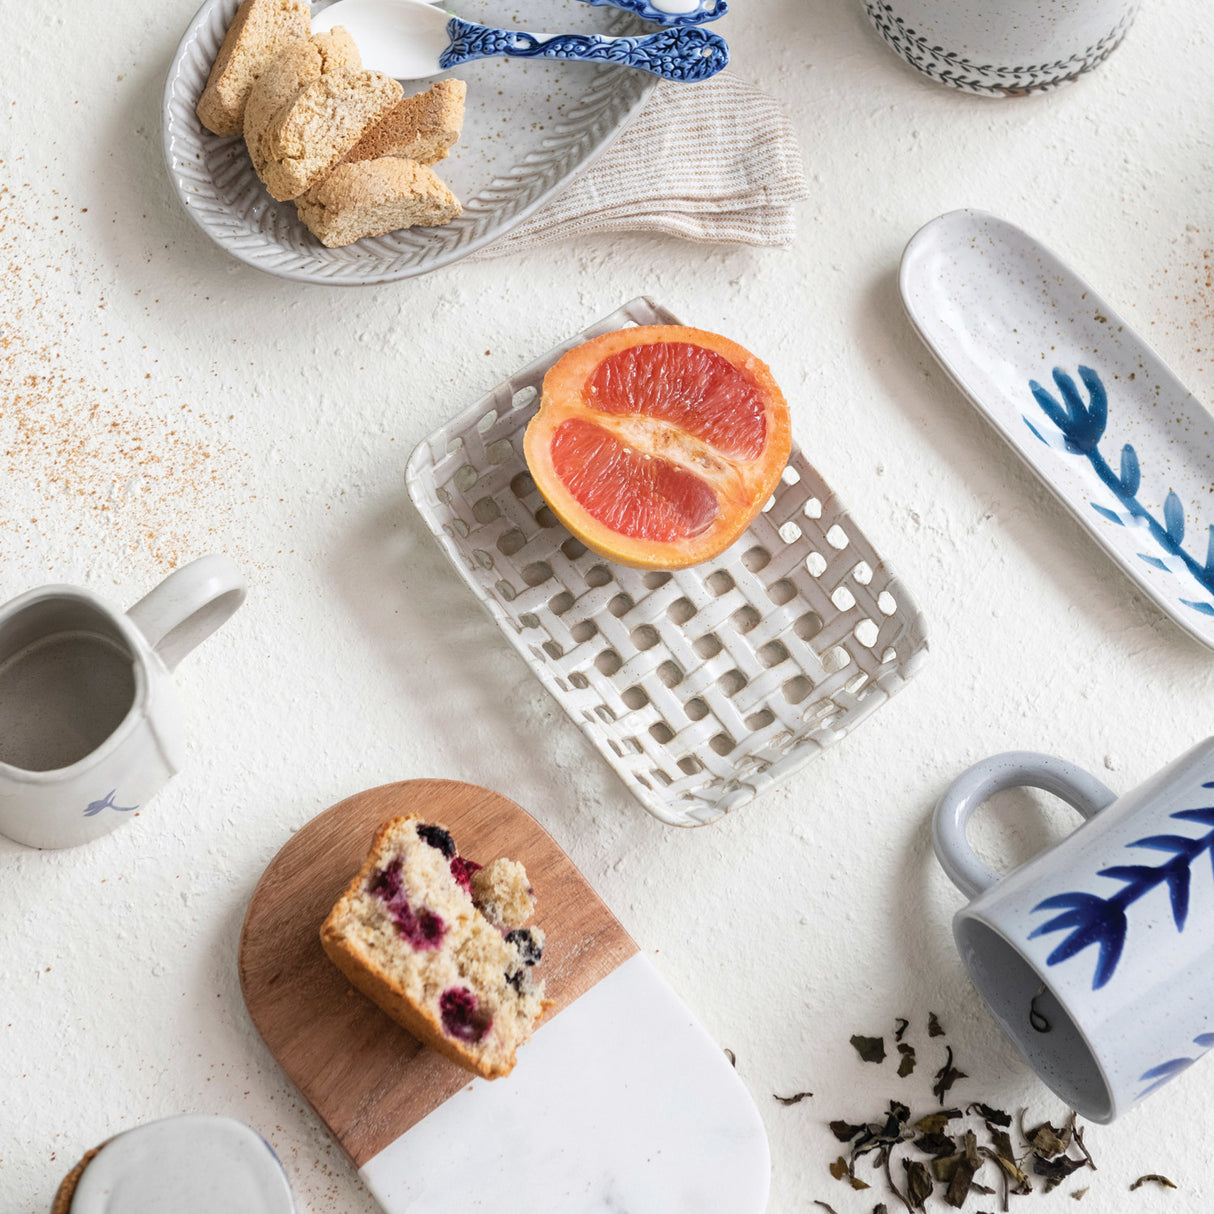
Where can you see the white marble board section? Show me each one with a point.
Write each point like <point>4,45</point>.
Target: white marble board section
<point>623,1102</point>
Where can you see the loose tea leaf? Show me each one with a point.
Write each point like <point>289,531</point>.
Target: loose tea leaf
<point>988,1114</point>
<point>908,1060</point>
<point>934,1123</point>
<point>795,1098</point>
<point>946,1076</point>
<point>828,1209</point>
<point>1077,1194</point>
<point>870,1049</point>
<point>902,1026</point>
<point>844,1131</point>
<point>918,1183</point>
<point>733,1058</point>
<point>933,1026</point>
<point>1153,1178</point>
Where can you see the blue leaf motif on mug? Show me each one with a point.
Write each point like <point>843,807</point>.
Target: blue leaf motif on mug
<point>1090,919</point>
<point>1169,1070</point>
<point>107,802</point>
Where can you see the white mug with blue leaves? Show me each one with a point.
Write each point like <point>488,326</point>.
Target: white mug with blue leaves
<point>1096,957</point>
<point>90,724</point>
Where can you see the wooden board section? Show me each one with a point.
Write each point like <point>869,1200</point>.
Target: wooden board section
<point>365,1077</point>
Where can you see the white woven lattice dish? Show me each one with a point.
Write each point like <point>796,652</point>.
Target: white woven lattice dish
<point>700,687</point>
<point>530,127</point>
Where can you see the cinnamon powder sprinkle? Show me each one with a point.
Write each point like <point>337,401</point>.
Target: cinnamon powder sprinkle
<point>112,463</point>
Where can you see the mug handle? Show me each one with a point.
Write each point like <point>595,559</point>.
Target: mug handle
<point>188,606</point>
<point>1013,769</point>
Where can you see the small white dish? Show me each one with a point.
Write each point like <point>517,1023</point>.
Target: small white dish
<point>192,1164</point>
<point>701,687</point>
<point>1078,395</point>
<point>530,128</point>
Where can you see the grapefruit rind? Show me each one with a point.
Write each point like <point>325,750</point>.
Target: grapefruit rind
<point>741,485</point>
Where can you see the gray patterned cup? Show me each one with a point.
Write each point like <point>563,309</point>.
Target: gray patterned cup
<point>1095,957</point>
<point>1003,48</point>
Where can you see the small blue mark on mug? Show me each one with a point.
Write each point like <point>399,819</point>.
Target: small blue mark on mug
<point>107,802</point>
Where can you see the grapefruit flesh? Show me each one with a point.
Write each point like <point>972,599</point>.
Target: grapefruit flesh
<point>657,445</point>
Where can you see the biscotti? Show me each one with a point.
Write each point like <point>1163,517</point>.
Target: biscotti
<point>296,67</point>
<point>260,30</point>
<point>445,955</point>
<point>307,137</point>
<point>422,127</point>
<point>374,197</point>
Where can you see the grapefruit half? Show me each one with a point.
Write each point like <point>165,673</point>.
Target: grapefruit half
<point>657,445</point>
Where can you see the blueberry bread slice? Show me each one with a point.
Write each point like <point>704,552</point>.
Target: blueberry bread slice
<point>439,944</point>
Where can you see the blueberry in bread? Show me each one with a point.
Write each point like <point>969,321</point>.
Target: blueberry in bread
<point>439,944</point>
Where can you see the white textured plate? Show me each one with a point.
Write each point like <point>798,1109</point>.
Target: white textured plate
<point>1132,455</point>
<point>530,127</point>
<point>700,687</point>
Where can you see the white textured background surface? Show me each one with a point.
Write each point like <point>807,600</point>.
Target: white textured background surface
<point>158,400</point>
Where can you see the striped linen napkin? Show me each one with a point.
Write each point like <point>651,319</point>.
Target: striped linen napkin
<point>715,162</point>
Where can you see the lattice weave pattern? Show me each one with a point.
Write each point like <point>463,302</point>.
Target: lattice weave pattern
<point>702,686</point>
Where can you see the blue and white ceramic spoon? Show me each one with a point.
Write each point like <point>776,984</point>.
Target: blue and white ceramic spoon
<point>670,12</point>
<point>410,40</point>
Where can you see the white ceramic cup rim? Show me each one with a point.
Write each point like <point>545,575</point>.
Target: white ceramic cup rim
<point>139,654</point>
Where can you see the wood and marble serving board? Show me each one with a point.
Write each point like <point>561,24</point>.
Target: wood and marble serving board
<point>619,1093</point>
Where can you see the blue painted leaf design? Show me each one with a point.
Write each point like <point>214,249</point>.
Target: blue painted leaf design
<point>1111,515</point>
<point>1204,608</point>
<point>1099,410</point>
<point>1172,1067</point>
<point>1049,406</point>
<point>1178,845</point>
<point>1094,921</point>
<point>1173,517</point>
<point>1154,561</point>
<point>1129,873</point>
<point>1210,552</point>
<point>1205,1040</point>
<point>1036,432</point>
<point>1164,1072</point>
<point>1204,814</point>
<point>1130,473</point>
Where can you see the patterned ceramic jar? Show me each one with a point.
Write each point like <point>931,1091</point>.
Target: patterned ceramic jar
<point>1003,48</point>
<point>1096,956</point>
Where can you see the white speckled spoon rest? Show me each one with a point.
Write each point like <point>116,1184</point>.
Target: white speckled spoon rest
<point>1079,396</point>
<point>620,1101</point>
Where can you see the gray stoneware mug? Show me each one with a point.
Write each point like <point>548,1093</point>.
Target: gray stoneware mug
<point>1096,957</point>
<point>1002,48</point>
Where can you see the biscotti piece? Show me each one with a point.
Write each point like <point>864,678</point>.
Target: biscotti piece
<point>259,31</point>
<point>373,197</point>
<point>421,128</point>
<point>306,138</point>
<point>410,935</point>
<point>294,68</point>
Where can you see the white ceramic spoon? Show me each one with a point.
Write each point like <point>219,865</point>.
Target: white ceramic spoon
<point>410,39</point>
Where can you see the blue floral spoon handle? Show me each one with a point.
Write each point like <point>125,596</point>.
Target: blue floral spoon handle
<point>670,12</point>
<point>411,40</point>
<point>685,53</point>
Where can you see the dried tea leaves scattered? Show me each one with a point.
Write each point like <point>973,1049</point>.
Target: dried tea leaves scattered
<point>795,1098</point>
<point>1153,1178</point>
<point>870,1049</point>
